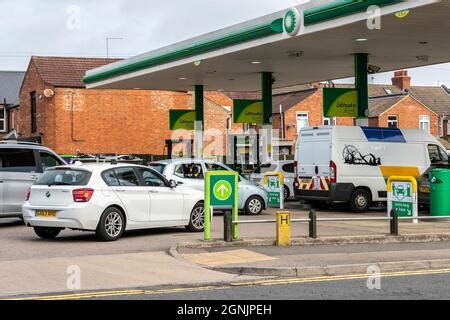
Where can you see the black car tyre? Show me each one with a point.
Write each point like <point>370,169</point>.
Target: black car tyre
<point>197,219</point>
<point>111,225</point>
<point>254,206</point>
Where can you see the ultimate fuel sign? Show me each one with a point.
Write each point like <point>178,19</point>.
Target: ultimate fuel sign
<point>248,111</point>
<point>339,102</point>
<point>182,119</point>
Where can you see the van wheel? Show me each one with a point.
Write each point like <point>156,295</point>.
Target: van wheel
<point>47,233</point>
<point>111,225</point>
<point>286,192</point>
<point>360,200</point>
<point>197,219</point>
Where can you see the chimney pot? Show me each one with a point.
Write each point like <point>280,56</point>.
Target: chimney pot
<point>402,80</point>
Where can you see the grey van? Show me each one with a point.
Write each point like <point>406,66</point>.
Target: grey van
<point>21,164</point>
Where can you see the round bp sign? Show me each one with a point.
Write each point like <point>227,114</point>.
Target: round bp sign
<point>292,22</point>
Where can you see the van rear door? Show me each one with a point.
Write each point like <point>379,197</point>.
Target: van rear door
<point>314,156</point>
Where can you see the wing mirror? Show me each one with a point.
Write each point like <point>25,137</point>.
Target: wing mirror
<point>173,184</point>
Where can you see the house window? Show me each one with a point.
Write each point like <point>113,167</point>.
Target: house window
<point>2,120</point>
<point>424,123</point>
<point>229,123</point>
<point>302,120</point>
<point>33,111</point>
<point>329,121</point>
<point>392,121</point>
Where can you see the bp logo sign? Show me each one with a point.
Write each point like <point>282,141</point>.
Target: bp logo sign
<point>292,22</point>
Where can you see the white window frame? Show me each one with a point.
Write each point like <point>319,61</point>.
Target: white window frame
<point>302,113</point>
<point>396,120</point>
<point>3,109</point>
<point>421,121</point>
<point>332,121</point>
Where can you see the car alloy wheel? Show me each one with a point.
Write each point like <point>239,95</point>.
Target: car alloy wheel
<point>113,224</point>
<point>198,217</point>
<point>254,206</point>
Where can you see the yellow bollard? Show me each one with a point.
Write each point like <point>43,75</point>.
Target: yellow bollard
<point>283,228</point>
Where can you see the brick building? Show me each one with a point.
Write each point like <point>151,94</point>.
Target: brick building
<point>59,111</point>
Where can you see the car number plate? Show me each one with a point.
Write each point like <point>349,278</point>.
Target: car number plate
<point>46,213</point>
<point>316,183</point>
<point>425,189</point>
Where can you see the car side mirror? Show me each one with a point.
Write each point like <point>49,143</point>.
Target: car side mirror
<point>173,184</point>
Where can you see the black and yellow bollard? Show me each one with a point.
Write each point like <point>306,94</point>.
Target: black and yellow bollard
<point>283,228</point>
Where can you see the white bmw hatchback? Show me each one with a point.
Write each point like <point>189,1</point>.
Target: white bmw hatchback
<point>109,199</point>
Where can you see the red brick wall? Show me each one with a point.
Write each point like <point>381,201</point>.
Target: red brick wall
<point>99,121</point>
<point>408,111</point>
<point>45,108</point>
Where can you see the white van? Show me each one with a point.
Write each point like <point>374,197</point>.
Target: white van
<point>351,164</point>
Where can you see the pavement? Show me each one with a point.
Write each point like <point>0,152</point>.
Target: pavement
<point>172,257</point>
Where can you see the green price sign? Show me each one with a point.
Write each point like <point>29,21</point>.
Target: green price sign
<point>273,189</point>
<point>248,111</point>
<point>339,102</point>
<point>182,119</point>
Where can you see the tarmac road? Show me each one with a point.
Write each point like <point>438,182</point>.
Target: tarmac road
<point>427,284</point>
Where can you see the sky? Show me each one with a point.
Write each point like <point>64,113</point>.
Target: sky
<point>81,28</point>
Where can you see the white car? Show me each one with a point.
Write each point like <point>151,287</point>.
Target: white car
<point>286,167</point>
<point>253,198</point>
<point>109,199</point>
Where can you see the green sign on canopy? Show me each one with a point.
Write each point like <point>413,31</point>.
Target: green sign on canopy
<point>248,111</point>
<point>182,119</point>
<point>339,102</point>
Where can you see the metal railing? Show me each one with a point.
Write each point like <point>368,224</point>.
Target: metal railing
<point>312,221</point>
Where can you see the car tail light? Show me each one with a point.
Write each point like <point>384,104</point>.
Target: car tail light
<point>82,195</point>
<point>333,172</point>
<point>27,197</point>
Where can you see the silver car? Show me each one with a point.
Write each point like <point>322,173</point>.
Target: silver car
<point>253,198</point>
<point>21,164</point>
<point>286,167</point>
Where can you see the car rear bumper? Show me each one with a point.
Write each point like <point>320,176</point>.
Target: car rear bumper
<point>338,192</point>
<point>85,217</point>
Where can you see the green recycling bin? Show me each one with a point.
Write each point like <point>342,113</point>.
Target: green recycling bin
<point>440,192</point>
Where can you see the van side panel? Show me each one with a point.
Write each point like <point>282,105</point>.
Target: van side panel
<point>369,164</point>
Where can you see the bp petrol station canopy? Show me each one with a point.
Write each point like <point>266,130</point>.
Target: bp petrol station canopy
<point>329,34</point>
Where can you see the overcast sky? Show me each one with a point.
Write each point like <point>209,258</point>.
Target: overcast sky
<point>80,28</point>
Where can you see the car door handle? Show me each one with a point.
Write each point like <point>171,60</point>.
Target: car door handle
<point>33,177</point>
<point>154,191</point>
<point>120,190</point>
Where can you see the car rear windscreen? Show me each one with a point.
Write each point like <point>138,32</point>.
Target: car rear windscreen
<point>64,177</point>
<point>158,167</point>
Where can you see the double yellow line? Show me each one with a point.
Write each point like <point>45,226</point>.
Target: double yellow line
<point>269,282</point>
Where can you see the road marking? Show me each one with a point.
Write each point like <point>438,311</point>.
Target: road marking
<point>269,282</point>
